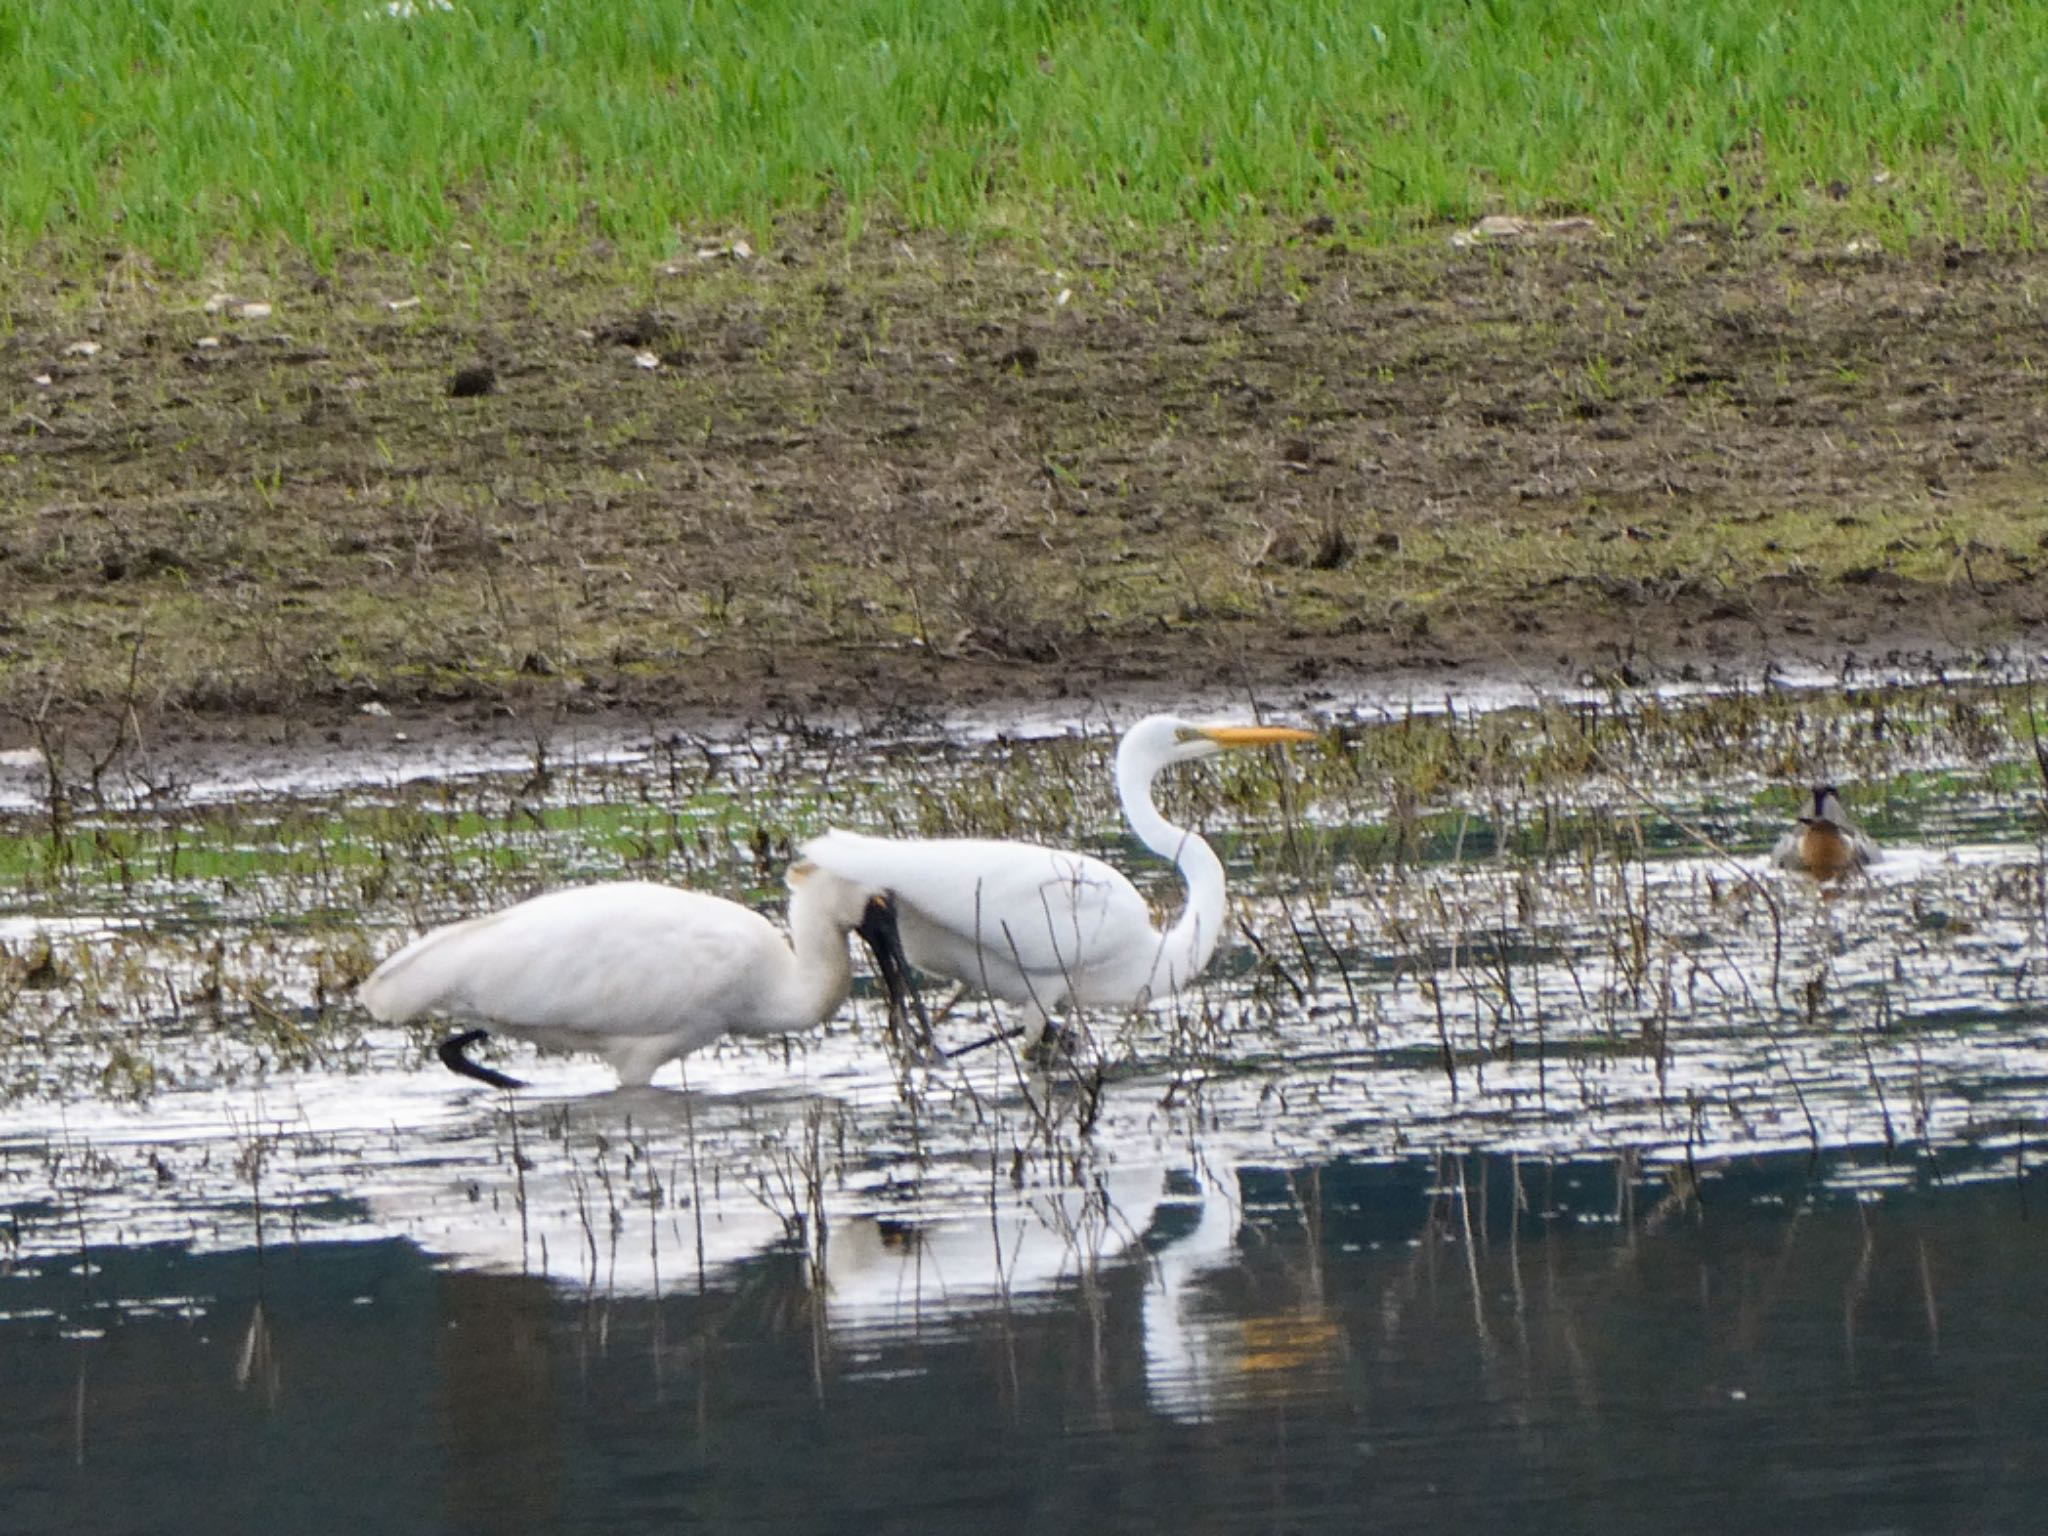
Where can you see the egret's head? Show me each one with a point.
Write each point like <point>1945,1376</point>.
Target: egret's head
<point>1161,740</point>
<point>841,900</point>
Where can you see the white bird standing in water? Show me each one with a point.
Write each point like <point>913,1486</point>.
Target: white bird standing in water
<point>1046,927</point>
<point>638,973</point>
<point>1826,844</point>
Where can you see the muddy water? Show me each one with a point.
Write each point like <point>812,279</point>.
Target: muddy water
<point>1534,1155</point>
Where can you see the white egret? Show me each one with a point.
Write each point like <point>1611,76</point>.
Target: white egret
<point>638,973</point>
<point>1046,927</point>
<point>1826,844</point>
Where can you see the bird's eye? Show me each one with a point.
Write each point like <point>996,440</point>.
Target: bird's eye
<point>1186,733</point>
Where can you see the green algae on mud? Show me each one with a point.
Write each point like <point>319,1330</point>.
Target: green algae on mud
<point>930,473</point>
<point>158,934</point>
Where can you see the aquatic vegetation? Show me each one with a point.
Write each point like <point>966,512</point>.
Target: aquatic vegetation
<point>1553,874</point>
<point>1508,975</point>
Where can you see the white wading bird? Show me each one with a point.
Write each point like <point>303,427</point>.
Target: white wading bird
<point>1045,927</point>
<point>1826,844</point>
<point>638,973</point>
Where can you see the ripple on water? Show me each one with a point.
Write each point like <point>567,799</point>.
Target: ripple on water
<point>1679,1007</point>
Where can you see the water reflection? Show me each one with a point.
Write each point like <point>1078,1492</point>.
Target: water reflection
<point>1272,1286</point>
<point>1421,1344</point>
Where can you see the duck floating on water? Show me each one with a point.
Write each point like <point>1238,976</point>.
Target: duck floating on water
<point>1826,844</point>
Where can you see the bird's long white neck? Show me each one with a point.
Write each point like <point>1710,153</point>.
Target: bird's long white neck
<point>811,989</point>
<point>1187,945</point>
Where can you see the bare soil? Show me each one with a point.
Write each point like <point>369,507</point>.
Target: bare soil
<point>901,477</point>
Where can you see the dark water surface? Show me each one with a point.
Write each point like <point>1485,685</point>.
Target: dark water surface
<point>1832,1345</point>
<point>1533,1156</point>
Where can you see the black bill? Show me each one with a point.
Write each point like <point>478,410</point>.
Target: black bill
<point>450,1051</point>
<point>878,931</point>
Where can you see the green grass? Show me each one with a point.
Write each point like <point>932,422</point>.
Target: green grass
<point>175,127</point>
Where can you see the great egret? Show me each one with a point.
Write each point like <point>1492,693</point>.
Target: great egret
<point>638,973</point>
<point>1045,927</point>
<point>1826,844</point>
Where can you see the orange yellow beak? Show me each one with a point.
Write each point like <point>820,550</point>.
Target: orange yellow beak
<point>1254,735</point>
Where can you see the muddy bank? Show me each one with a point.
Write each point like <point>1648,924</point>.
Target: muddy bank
<point>908,478</point>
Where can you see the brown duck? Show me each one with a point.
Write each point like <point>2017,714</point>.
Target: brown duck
<point>1826,844</point>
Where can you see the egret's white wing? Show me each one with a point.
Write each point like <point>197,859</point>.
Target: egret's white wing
<point>1047,911</point>
<point>629,958</point>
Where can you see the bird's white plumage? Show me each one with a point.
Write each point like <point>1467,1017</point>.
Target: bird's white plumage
<point>1015,920</point>
<point>1045,926</point>
<point>638,972</point>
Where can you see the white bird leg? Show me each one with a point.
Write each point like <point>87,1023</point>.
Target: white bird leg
<point>1037,1021</point>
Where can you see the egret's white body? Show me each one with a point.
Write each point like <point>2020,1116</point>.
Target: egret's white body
<point>1046,927</point>
<point>637,972</point>
<point>1826,844</point>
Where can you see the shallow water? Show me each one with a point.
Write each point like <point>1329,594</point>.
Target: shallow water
<point>1536,1154</point>
<point>1334,1345</point>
